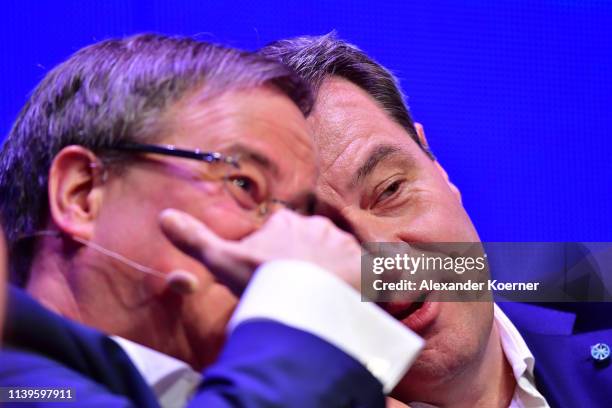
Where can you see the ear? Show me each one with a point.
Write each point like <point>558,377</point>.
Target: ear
<point>75,191</point>
<point>421,134</point>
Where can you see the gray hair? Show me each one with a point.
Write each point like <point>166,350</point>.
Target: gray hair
<point>108,93</point>
<point>316,58</point>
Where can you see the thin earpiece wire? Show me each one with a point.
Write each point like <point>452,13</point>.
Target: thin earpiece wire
<point>104,251</point>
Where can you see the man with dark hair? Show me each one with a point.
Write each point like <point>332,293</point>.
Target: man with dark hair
<point>117,153</point>
<point>380,180</point>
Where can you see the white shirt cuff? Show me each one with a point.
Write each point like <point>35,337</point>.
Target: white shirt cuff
<point>304,296</point>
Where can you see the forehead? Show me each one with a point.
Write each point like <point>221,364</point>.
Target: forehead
<point>261,110</point>
<point>261,120</point>
<point>348,124</point>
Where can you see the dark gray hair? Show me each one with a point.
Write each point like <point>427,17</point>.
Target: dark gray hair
<point>316,58</point>
<point>109,93</point>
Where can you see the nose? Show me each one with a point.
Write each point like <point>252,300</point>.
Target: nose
<point>369,232</point>
<point>367,227</point>
<point>364,226</point>
<point>335,215</point>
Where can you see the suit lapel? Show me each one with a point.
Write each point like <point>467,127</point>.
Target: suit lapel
<point>32,328</point>
<point>565,373</point>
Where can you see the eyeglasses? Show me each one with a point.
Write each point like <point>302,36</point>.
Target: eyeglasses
<point>242,179</point>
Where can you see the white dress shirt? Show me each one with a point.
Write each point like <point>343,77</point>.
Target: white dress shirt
<point>283,291</point>
<point>172,380</point>
<point>522,362</point>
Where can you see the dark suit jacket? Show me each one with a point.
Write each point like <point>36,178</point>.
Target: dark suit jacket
<point>560,334</point>
<point>560,341</point>
<point>264,364</point>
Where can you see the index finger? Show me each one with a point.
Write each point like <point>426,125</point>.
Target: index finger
<point>224,258</point>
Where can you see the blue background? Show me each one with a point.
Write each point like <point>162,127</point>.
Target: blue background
<point>514,95</point>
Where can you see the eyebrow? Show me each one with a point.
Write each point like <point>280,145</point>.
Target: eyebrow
<point>377,155</point>
<point>245,152</point>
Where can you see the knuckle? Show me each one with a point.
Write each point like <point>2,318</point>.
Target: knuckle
<point>216,256</point>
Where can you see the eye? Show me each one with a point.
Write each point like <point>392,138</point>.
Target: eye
<point>389,191</point>
<point>246,190</point>
<point>244,183</point>
<point>248,184</point>
<point>390,194</point>
<point>245,186</point>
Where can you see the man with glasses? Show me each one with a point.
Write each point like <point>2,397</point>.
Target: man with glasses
<point>117,154</point>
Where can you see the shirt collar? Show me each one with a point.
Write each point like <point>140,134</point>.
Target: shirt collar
<point>173,381</point>
<point>521,360</point>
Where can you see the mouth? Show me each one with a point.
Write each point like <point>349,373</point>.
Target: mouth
<point>417,315</point>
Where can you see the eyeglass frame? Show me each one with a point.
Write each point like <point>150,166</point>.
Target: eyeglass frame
<point>262,210</point>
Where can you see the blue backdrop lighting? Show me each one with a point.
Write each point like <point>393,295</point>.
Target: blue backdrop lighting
<point>514,95</point>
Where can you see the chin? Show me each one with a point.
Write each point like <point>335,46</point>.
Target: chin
<point>450,351</point>
<point>439,363</point>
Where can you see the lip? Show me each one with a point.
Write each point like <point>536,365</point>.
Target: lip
<point>417,316</point>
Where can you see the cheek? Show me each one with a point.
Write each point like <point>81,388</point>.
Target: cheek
<point>436,216</point>
<point>225,219</point>
<point>134,207</point>
<point>133,202</point>
<point>211,204</point>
